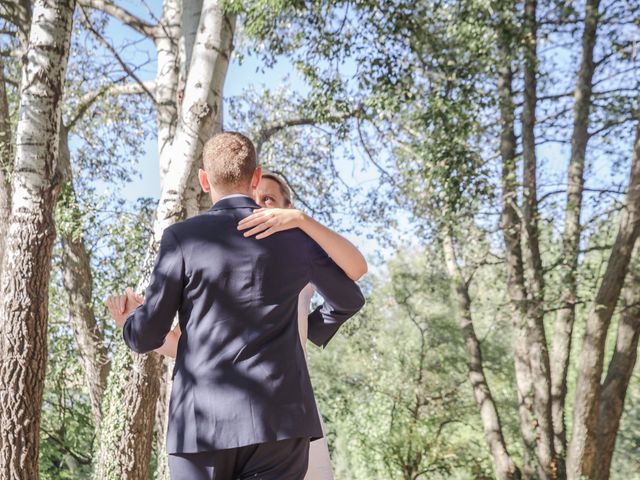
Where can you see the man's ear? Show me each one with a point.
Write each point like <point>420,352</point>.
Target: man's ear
<point>257,175</point>
<point>204,180</point>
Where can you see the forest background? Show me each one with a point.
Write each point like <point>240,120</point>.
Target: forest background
<point>483,154</point>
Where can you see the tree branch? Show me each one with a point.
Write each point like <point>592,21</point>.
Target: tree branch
<point>115,54</point>
<point>122,15</point>
<point>91,97</point>
<point>265,134</point>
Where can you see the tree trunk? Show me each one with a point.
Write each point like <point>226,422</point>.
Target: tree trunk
<point>200,108</point>
<point>167,42</point>
<point>582,449</point>
<point>510,225</point>
<point>563,328</point>
<point>614,388</point>
<point>125,438</point>
<point>77,281</point>
<point>191,11</point>
<point>503,463</point>
<point>128,411</point>
<point>29,242</point>
<point>78,284</point>
<point>162,417</point>
<point>6,162</point>
<point>537,341</point>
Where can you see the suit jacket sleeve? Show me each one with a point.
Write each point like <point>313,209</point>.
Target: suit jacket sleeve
<point>342,297</point>
<point>146,328</point>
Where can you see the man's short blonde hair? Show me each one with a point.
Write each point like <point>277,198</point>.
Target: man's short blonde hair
<point>284,186</point>
<point>229,159</point>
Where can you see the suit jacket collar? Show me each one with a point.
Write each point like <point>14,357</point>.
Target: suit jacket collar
<point>234,202</point>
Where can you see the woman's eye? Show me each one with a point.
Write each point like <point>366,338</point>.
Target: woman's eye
<point>267,199</point>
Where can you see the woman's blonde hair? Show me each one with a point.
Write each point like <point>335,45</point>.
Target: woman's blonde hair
<point>284,186</point>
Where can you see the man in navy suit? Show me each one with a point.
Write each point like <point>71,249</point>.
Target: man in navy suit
<point>242,405</point>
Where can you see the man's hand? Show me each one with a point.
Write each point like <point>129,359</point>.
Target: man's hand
<point>121,306</point>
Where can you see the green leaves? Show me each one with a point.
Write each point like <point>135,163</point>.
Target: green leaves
<point>393,388</point>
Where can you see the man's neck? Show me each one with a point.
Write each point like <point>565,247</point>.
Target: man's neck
<point>217,196</point>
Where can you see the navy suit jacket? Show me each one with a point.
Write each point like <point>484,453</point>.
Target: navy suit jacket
<point>240,376</point>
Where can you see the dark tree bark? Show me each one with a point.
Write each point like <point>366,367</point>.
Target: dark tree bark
<point>563,328</point>
<point>511,227</point>
<point>504,465</point>
<point>582,449</point>
<point>78,284</point>
<point>162,418</point>
<point>537,341</point>
<point>616,383</point>
<point>29,242</point>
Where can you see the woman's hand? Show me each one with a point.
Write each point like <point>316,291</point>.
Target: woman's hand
<point>267,221</point>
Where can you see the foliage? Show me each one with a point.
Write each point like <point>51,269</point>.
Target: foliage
<point>406,89</point>
<point>393,388</point>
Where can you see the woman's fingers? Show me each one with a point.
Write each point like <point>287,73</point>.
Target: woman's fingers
<point>260,228</point>
<point>257,220</point>
<point>267,232</point>
<point>253,219</point>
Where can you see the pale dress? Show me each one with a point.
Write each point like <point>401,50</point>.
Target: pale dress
<point>319,461</point>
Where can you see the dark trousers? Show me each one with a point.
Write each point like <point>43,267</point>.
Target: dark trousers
<point>283,460</point>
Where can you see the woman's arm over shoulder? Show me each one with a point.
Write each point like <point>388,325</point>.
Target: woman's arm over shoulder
<point>342,251</point>
<point>265,222</point>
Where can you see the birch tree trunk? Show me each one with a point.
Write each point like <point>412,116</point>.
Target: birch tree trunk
<point>200,108</point>
<point>503,463</point>
<point>125,439</point>
<point>180,62</point>
<point>29,242</point>
<point>582,449</point>
<point>167,45</point>
<point>563,327</point>
<point>616,383</point>
<point>191,11</point>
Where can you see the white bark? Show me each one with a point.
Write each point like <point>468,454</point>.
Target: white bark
<point>166,92</point>
<point>191,12</point>
<point>200,107</point>
<point>29,243</point>
<point>124,443</point>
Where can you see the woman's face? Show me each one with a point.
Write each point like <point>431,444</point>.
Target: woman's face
<point>269,195</point>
